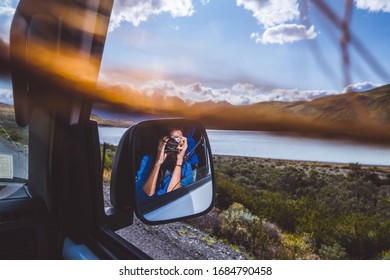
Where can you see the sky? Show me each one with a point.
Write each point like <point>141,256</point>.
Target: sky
<point>241,51</point>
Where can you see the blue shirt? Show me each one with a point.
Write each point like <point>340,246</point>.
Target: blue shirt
<point>146,168</point>
<point>191,145</point>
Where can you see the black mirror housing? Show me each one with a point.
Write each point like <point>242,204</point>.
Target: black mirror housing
<point>163,171</point>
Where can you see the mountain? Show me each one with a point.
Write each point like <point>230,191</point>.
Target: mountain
<point>373,105</point>
<point>360,115</point>
<point>203,107</point>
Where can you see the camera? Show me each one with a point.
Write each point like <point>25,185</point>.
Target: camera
<point>172,145</point>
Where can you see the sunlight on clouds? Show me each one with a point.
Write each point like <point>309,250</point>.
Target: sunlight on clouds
<point>257,94</point>
<point>238,94</point>
<point>374,5</point>
<point>285,33</point>
<point>359,87</point>
<point>137,11</point>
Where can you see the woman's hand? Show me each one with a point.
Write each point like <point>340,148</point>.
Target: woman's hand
<point>161,155</point>
<point>182,147</point>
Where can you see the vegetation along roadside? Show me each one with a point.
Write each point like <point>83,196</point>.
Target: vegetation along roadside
<point>279,209</point>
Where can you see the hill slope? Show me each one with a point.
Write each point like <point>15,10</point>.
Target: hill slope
<point>363,115</point>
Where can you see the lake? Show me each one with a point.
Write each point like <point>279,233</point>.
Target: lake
<point>280,146</point>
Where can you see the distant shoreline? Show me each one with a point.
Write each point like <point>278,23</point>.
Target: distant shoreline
<point>288,147</point>
<point>302,163</point>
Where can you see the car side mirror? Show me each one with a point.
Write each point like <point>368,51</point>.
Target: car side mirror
<point>163,171</point>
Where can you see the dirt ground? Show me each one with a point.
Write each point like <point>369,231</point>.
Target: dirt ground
<point>175,241</point>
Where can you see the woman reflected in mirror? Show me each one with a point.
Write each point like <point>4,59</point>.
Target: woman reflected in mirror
<point>169,171</point>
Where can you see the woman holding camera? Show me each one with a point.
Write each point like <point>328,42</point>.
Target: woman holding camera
<point>169,171</point>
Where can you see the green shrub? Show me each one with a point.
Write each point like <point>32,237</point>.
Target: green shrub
<point>259,237</point>
<point>350,209</point>
<point>333,252</point>
<point>297,248</point>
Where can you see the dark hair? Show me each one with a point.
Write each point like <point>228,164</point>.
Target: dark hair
<point>176,126</point>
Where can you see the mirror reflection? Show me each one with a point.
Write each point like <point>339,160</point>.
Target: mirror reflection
<point>172,167</point>
<point>169,160</point>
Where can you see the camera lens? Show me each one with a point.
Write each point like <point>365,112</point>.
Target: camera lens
<point>171,146</point>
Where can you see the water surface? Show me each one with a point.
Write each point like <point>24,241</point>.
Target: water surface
<point>281,146</point>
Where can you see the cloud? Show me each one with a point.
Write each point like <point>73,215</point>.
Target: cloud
<point>271,12</point>
<point>238,94</point>
<point>291,95</point>
<point>204,2</point>
<point>7,10</point>
<point>261,94</point>
<point>285,33</point>
<point>373,5</point>
<point>274,15</point>
<point>359,87</point>
<point>137,11</point>
<point>190,93</point>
